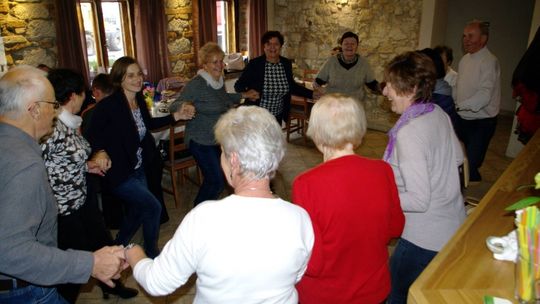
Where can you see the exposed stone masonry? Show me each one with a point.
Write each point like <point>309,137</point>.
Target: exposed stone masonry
<point>312,28</point>
<point>28,30</point>
<point>180,37</point>
<point>385,28</point>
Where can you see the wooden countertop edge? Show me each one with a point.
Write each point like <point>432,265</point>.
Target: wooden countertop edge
<point>416,294</point>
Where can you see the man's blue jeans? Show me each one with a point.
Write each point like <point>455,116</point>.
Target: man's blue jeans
<point>143,208</point>
<point>476,135</point>
<point>406,264</point>
<point>208,159</point>
<point>32,294</point>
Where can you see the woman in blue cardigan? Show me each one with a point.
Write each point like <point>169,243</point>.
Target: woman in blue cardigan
<point>120,127</point>
<point>271,76</point>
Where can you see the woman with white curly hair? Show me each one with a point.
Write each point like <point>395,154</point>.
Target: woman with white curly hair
<point>250,247</point>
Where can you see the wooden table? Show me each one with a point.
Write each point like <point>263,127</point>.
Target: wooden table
<point>465,270</point>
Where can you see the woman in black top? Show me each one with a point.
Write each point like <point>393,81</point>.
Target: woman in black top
<point>271,76</point>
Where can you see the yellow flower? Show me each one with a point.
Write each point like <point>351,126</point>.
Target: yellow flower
<point>537,181</point>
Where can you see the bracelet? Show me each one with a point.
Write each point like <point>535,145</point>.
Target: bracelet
<point>128,247</point>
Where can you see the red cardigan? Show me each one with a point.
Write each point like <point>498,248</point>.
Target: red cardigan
<point>354,206</point>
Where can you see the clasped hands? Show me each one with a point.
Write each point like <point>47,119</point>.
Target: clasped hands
<point>99,163</point>
<point>251,95</point>
<point>186,111</point>
<point>109,262</point>
<point>318,91</point>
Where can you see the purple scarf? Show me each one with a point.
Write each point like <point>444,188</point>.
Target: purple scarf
<point>413,111</point>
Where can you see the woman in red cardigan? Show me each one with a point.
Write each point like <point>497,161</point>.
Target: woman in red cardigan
<point>354,207</point>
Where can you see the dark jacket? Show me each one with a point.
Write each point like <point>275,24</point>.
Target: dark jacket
<point>442,96</point>
<point>253,78</point>
<point>113,129</point>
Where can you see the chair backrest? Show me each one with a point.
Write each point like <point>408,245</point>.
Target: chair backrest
<point>172,86</point>
<point>177,146</point>
<point>310,75</point>
<point>298,102</point>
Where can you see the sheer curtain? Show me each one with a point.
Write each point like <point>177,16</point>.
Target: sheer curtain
<point>70,39</point>
<point>257,26</point>
<point>151,39</point>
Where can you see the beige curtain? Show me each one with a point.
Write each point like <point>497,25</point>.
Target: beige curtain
<point>257,26</point>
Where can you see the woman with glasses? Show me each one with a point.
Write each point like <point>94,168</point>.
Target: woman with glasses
<point>206,92</point>
<point>120,128</point>
<point>69,162</point>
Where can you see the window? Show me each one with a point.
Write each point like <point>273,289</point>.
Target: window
<point>107,31</point>
<point>226,25</point>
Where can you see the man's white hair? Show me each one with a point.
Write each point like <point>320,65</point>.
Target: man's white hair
<point>18,87</point>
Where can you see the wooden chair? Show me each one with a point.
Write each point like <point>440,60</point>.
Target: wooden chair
<point>298,117</point>
<point>299,114</point>
<point>470,202</point>
<point>180,160</point>
<point>171,87</point>
<point>310,75</point>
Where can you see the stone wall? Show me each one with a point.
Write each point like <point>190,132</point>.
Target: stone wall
<point>180,37</point>
<point>243,23</point>
<point>385,27</point>
<point>28,31</point>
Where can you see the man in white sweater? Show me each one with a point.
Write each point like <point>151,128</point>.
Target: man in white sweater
<point>478,95</point>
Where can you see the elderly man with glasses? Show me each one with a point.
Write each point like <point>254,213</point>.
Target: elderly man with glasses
<point>29,258</point>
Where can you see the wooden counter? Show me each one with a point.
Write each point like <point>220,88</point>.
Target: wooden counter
<point>465,270</point>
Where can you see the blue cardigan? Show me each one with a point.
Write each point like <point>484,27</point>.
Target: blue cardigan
<point>253,78</point>
<point>113,129</point>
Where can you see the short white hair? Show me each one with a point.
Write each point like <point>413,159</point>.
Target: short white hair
<point>336,120</point>
<point>255,136</point>
<point>17,89</point>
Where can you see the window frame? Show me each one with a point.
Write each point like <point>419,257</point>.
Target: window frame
<point>100,41</point>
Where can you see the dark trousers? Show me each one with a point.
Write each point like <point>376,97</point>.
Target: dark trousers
<point>83,229</point>
<point>476,135</point>
<point>406,264</point>
<point>142,208</point>
<point>208,159</point>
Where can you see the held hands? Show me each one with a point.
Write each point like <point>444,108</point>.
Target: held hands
<point>99,163</point>
<point>108,264</point>
<point>251,95</point>
<point>318,91</point>
<point>186,111</point>
<point>133,255</point>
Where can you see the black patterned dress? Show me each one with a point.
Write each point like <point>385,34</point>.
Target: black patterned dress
<point>65,154</point>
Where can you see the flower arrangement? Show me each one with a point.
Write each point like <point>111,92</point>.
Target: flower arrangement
<point>148,93</point>
<point>527,201</point>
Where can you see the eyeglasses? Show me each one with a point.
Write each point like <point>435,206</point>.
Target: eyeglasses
<point>55,103</point>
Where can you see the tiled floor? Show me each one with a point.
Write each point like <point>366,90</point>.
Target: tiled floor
<point>299,157</point>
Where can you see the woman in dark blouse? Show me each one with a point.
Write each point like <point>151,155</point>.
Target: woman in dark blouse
<point>120,127</point>
<point>271,76</point>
